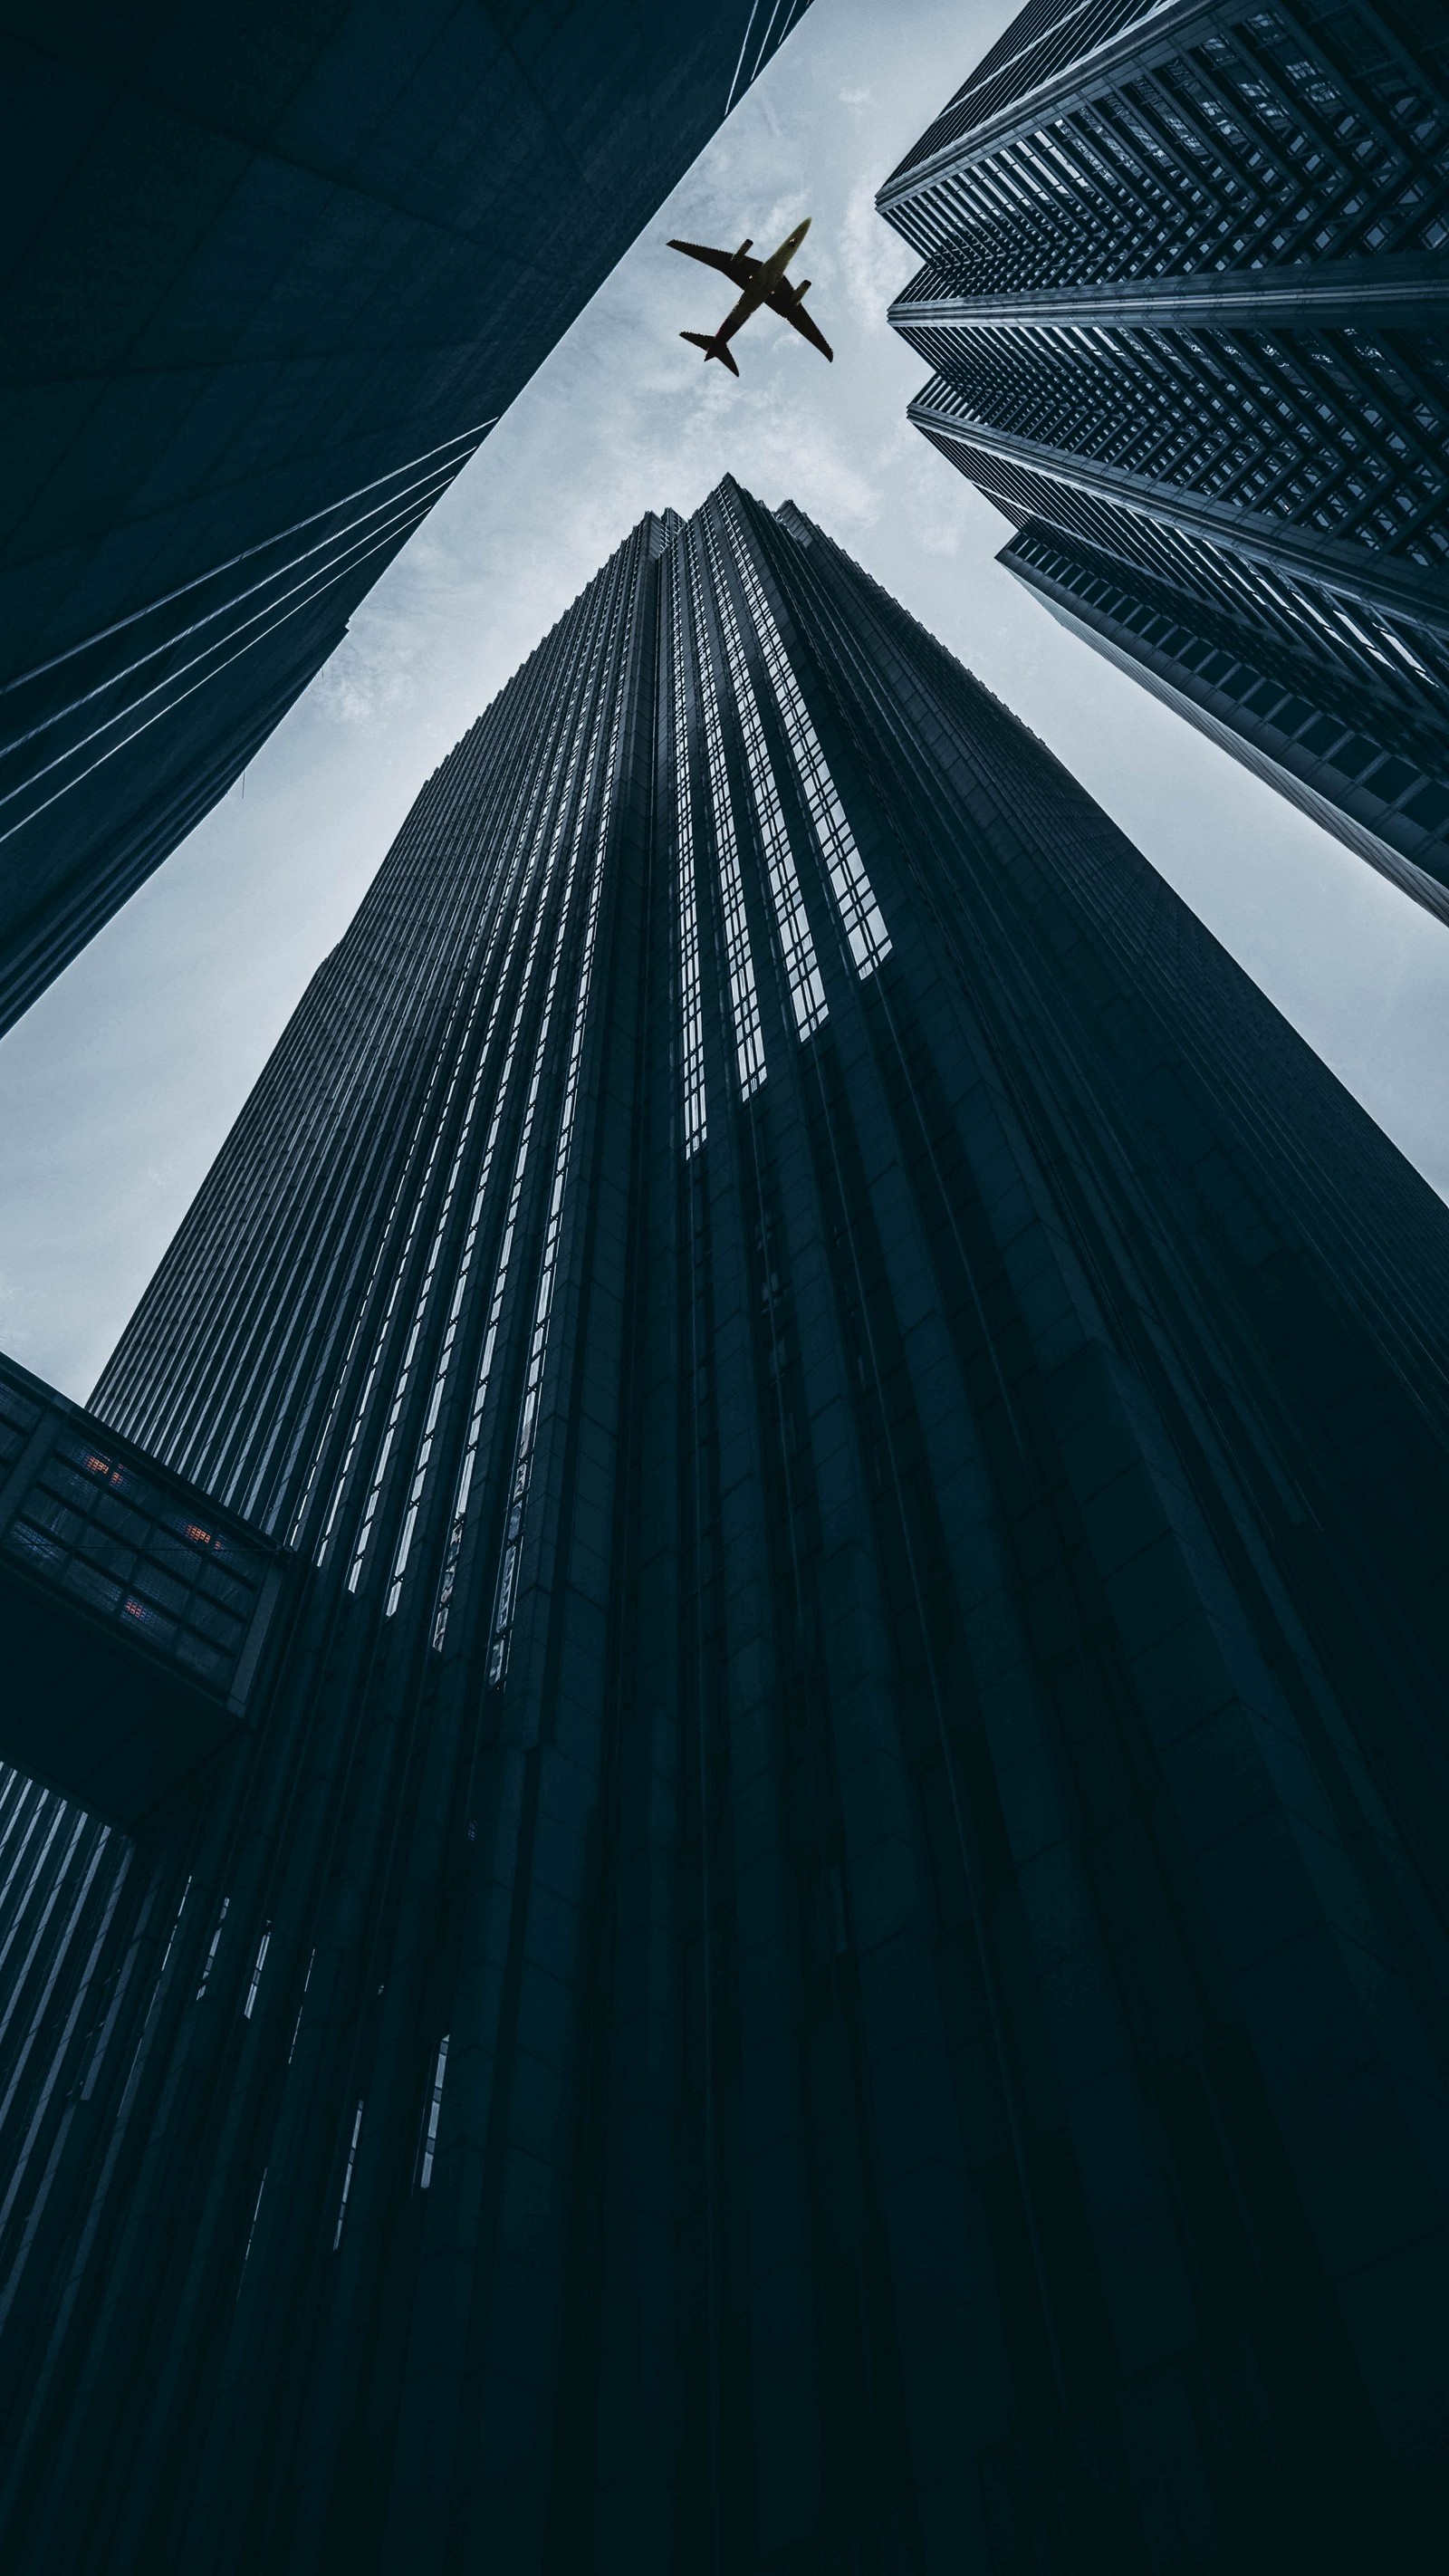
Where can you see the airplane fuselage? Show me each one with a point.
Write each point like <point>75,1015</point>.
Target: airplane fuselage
<point>762,287</point>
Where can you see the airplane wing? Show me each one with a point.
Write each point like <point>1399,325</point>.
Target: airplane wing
<point>787,304</point>
<point>730,263</point>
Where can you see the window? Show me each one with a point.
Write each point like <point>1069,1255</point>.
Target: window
<point>802,973</point>
<point>860,914</point>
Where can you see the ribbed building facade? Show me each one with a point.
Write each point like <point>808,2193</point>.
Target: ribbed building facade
<point>1186,293</point>
<point>827,1951</point>
<point>272,275</point>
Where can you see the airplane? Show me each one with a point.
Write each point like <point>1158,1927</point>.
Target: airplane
<point>763,281</point>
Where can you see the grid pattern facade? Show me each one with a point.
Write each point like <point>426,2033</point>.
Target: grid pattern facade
<point>129,1548</point>
<point>829,1952</point>
<point>1186,293</point>
<point>270,284</point>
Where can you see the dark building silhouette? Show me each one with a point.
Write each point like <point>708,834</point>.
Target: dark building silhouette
<point>272,273</point>
<point>1186,292</point>
<point>135,1614</point>
<point>823,1944</point>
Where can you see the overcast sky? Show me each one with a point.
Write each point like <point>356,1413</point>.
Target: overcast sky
<point>117,1089</point>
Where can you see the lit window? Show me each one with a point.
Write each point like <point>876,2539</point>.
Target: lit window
<point>860,914</point>
<point>691,1016</point>
<point>802,974</point>
<point>435,2106</point>
<point>744,1001</point>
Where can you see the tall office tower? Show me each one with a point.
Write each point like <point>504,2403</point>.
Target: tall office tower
<point>1186,289</point>
<point>825,1948</point>
<point>272,274</point>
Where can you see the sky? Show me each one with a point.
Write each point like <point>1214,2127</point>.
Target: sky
<point>119,1086</point>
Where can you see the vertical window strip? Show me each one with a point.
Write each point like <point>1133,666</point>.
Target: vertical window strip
<point>320,1452</point>
<point>347,2178</point>
<point>860,914</point>
<point>459,1519</point>
<point>567,746</point>
<point>266,1943</point>
<point>475,1214</point>
<point>548,1268</point>
<point>215,1946</point>
<point>256,2214</point>
<point>744,1001</point>
<point>36,1928</point>
<point>380,1344</point>
<point>424,1296</point>
<point>435,2106</point>
<point>518,828</point>
<point>301,2005</point>
<point>45,1811</point>
<point>203,1412</point>
<point>691,1014</point>
<point>59,1962</point>
<point>175,1928</point>
<point>802,973</point>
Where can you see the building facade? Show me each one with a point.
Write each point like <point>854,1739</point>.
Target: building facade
<point>1186,293</point>
<point>273,276</point>
<point>828,1949</point>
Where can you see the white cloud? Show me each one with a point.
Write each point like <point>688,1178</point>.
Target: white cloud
<point>875,262</point>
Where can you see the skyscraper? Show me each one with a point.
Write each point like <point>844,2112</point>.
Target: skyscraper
<point>1186,292</point>
<point>828,1948</point>
<point>274,273</point>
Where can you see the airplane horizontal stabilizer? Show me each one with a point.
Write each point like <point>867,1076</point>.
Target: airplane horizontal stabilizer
<point>712,349</point>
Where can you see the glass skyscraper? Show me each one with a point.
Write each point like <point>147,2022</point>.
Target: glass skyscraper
<point>820,1941</point>
<point>273,273</point>
<point>1186,293</point>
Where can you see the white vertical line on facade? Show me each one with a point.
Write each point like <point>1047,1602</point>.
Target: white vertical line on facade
<point>169,708</point>
<point>301,2006</point>
<point>38,2009</point>
<point>860,914</point>
<point>33,1817</point>
<point>229,563</point>
<point>548,1267</point>
<point>744,999</point>
<point>56,1884</point>
<point>171,1942</point>
<point>744,43</point>
<point>690,1011</point>
<point>18,2158</point>
<point>435,2107</point>
<point>475,1214</point>
<point>256,2214</point>
<point>802,972</point>
<point>502,1265</point>
<point>215,1946</point>
<point>261,1961</point>
<point>346,2179</point>
<point>538,812</point>
<point>425,1290</point>
<point>514,841</point>
<point>303,591</point>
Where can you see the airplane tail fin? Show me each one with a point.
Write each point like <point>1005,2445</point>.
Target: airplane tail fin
<point>712,348</point>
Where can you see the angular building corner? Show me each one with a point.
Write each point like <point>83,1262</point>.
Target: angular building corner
<point>1186,293</point>
<point>821,1942</point>
<point>273,275</point>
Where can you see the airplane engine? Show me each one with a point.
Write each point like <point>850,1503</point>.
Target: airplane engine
<point>745,245</point>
